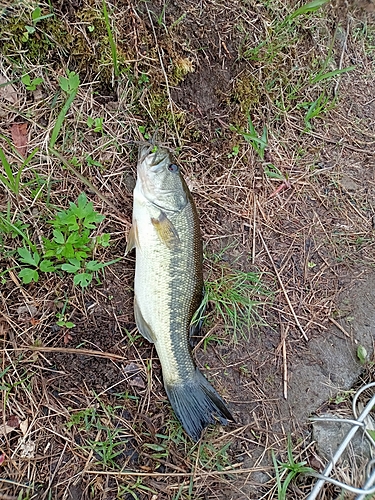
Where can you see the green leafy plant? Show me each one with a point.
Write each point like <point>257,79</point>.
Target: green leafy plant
<point>71,247</point>
<point>362,354</point>
<point>142,130</point>
<point>31,84</point>
<point>234,152</point>
<point>95,123</point>
<point>70,85</point>
<point>36,16</point>
<point>258,142</point>
<point>35,264</point>
<point>291,468</point>
<point>62,318</point>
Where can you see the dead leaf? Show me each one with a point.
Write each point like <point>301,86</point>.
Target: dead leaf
<point>2,458</point>
<point>133,375</point>
<point>11,424</point>
<point>24,425</point>
<point>26,312</point>
<point>20,137</point>
<point>13,421</point>
<point>7,91</point>
<point>5,429</point>
<point>67,338</point>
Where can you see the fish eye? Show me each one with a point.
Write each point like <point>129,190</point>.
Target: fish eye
<point>173,168</point>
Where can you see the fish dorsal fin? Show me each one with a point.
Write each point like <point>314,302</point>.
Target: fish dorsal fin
<point>166,231</point>
<point>133,241</point>
<point>142,325</point>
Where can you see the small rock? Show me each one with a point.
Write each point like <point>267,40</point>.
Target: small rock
<point>329,436</point>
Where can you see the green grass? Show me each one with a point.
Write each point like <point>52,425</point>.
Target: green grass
<point>287,471</point>
<point>111,39</point>
<point>11,178</point>
<point>234,297</point>
<point>292,87</point>
<point>70,85</point>
<point>258,142</point>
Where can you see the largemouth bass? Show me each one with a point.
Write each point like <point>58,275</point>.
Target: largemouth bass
<point>168,285</point>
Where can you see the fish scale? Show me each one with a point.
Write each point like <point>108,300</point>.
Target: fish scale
<point>168,285</point>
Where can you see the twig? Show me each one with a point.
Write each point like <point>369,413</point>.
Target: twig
<point>285,369</point>
<point>342,56</point>
<point>226,470</point>
<point>254,230</point>
<point>79,352</point>
<point>342,329</point>
<point>283,287</point>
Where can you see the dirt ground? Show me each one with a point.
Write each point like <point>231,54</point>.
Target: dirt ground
<point>88,414</point>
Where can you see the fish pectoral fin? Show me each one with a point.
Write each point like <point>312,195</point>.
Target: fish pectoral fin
<point>132,238</point>
<point>142,325</point>
<point>166,231</point>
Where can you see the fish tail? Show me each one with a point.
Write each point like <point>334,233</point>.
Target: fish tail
<point>197,404</point>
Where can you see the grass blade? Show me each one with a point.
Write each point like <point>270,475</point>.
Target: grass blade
<point>319,77</point>
<point>111,40</point>
<point>60,118</point>
<point>307,8</point>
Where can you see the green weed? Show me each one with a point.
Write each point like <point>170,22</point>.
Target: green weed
<point>70,85</point>
<point>273,172</point>
<point>292,468</point>
<point>31,84</point>
<point>83,419</point>
<point>316,108</point>
<point>95,123</point>
<point>71,247</point>
<point>131,489</point>
<point>234,152</point>
<point>214,459</point>
<point>109,448</point>
<point>362,354</point>
<point>111,39</point>
<point>62,318</point>
<point>280,34</point>
<point>13,227</point>
<point>234,298</point>
<point>10,179</point>
<point>36,16</point>
<point>258,142</point>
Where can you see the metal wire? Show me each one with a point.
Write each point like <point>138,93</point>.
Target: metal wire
<point>368,488</point>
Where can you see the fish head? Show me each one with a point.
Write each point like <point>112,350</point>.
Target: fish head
<point>160,179</point>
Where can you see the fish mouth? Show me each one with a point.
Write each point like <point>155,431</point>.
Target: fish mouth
<point>159,154</point>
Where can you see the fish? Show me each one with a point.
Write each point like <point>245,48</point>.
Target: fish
<point>168,285</point>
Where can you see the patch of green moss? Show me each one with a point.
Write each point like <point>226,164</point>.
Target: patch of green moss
<point>84,45</point>
<point>247,92</point>
<point>37,46</point>
<point>161,112</point>
<point>182,66</point>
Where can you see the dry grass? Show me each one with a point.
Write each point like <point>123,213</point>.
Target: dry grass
<point>89,415</point>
